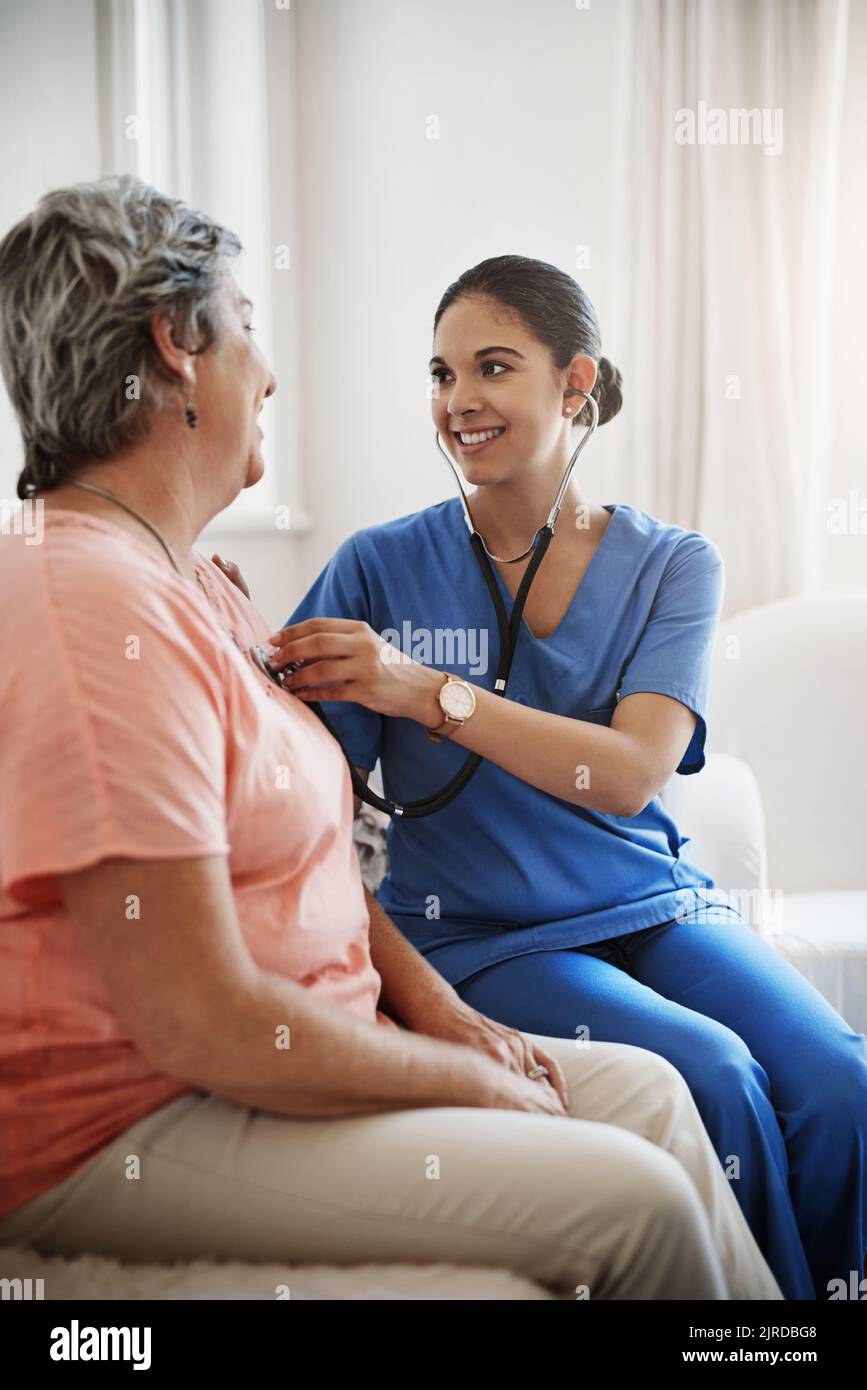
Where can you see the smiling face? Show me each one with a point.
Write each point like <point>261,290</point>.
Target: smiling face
<point>233,380</point>
<point>499,400</point>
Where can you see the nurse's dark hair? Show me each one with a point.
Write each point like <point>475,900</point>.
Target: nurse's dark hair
<point>554,308</point>
<point>81,277</point>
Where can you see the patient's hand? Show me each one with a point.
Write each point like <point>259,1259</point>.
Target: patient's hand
<point>231,571</point>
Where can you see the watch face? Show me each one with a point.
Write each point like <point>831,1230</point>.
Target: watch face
<point>457,700</point>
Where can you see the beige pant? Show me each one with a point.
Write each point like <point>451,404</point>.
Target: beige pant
<point>627,1197</point>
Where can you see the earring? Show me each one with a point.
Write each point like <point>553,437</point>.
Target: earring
<point>568,410</point>
<point>192,417</point>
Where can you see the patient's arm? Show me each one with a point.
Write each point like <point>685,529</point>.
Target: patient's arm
<point>409,983</point>
<point>185,988</point>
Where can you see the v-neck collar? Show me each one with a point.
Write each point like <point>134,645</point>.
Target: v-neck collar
<point>614,508</point>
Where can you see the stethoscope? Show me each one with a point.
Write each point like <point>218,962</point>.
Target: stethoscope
<point>508,634</point>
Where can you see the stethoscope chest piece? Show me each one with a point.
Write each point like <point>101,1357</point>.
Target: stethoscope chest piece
<point>278,678</point>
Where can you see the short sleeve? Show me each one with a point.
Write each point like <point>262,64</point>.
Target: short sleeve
<point>341,591</point>
<point>113,742</point>
<point>674,653</point>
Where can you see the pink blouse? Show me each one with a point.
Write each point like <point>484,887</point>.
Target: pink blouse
<point>135,726</point>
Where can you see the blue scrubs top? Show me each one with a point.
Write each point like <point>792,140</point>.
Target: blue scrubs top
<point>507,869</point>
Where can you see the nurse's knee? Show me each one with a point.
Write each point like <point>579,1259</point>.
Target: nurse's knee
<point>721,1072</point>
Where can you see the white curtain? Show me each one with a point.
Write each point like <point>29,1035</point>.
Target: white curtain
<point>722,303</point>
<point>197,97</point>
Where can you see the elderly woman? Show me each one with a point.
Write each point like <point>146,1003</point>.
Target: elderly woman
<point>193,1058</point>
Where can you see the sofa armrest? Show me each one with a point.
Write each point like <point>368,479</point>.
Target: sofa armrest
<point>719,812</point>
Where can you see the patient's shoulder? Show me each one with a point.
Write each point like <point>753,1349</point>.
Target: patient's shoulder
<point>80,569</point>
<point>95,621</point>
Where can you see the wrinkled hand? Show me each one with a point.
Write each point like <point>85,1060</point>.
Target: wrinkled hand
<point>231,571</point>
<point>455,1021</point>
<point>344,659</point>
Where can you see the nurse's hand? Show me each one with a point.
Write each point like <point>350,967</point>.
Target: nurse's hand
<point>455,1021</point>
<point>344,659</point>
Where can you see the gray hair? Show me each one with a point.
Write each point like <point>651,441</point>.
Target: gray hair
<point>80,279</point>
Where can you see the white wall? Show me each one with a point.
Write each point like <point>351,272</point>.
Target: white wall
<point>526,96</point>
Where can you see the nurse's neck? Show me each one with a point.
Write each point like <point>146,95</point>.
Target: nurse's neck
<point>509,513</point>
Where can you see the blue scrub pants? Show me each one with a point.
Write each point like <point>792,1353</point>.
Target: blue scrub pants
<point>779,1078</point>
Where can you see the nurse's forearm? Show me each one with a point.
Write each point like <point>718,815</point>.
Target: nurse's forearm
<point>586,764</point>
<point>409,983</point>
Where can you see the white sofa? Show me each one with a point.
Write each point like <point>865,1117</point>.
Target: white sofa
<point>778,816</point>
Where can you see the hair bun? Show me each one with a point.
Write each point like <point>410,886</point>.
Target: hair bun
<point>607,393</point>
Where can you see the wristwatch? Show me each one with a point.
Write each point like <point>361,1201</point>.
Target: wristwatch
<point>457,701</point>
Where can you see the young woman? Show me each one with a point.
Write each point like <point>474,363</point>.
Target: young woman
<point>553,893</point>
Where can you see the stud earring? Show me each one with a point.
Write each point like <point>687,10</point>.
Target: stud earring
<point>192,417</point>
<point>568,410</point>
